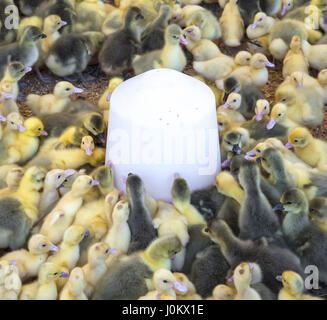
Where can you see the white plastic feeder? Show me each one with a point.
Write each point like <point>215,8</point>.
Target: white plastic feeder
<point>163,122</point>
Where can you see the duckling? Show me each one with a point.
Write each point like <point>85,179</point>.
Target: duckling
<point>29,21</point>
<point>182,202</point>
<point>104,102</point>
<point>232,24</point>
<point>293,287</point>
<point>255,74</point>
<point>231,107</point>
<point>14,122</point>
<point>72,136</point>
<point>242,58</point>
<point>318,212</point>
<point>153,36</point>
<point>139,221</point>
<point>71,53</point>
<point>171,56</point>
<point>68,255</point>
<point>13,178</point>
<point>295,59</point>
<point>272,259</point>
<point>22,146</point>
<point>87,145</point>
<point>113,61</point>
<point>305,237</point>
<point>242,277</point>
<point>29,262</point>
<point>257,220</point>
<point>96,266</point>
<point>12,285</point>
<point>261,26</point>
<point>64,212</point>
<point>74,288</point>
<point>90,15</point>
<point>164,283</point>
<point>190,293</point>
<point>119,235</point>
<point>52,103</point>
<point>201,49</point>
<point>315,54</point>
<point>279,114</point>
<point>309,149</point>
<point>222,292</point>
<point>322,79</point>
<point>22,207</point>
<point>262,109</point>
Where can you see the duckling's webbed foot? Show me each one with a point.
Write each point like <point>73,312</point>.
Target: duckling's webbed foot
<point>41,77</point>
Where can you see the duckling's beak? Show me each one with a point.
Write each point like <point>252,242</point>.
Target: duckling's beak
<point>226,105</point>
<point>87,233</point>
<point>44,133</point>
<point>95,183</point>
<point>236,149</point>
<point>271,123</point>
<point>21,128</point>
<point>64,275</point>
<point>179,287</point>
<point>288,145</point>
<point>250,153</point>
<point>270,64</point>
<point>69,172</point>
<point>254,25</point>
<point>279,278</point>
<point>300,85</point>
<point>101,137</point>
<point>182,40</point>
<point>226,164</point>
<point>259,116</point>
<point>2,118</point>
<point>279,207</point>
<point>109,163</point>
<point>28,69</point>
<point>63,23</point>
<point>54,248</point>
<point>88,151</point>
<point>248,157</point>
<point>8,96</point>
<point>109,96</point>
<point>231,279</point>
<point>43,36</point>
<point>226,94</point>
<point>113,251</point>
<point>283,11</point>
<point>13,263</point>
<point>78,90</point>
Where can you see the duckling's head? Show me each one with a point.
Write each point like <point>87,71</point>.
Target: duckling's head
<point>135,188</point>
<point>174,34</point>
<point>16,70</point>
<point>64,89</point>
<point>15,121</point>
<point>34,176</point>
<point>50,271</point>
<point>40,244</point>
<point>56,177</point>
<point>223,292</point>
<point>232,142</point>
<point>277,114</point>
<point>292,282</point>
<point>242,274</point>
<point>114,83</point>
<point>231,84</point>
<point>164,281</point>
<point>94,123</point>
<point>166,10</point>
<point>223,122</point>
<point>199,19</point>
<point>294,201</point>
<point>272,161</point>
<point>134,18</point>
<point>83,184</point>
<point>233,102</point>
<point>14,176</point>
<point>260,61</point>
<point>184,280</point>
<point>76,281</point>
<point>297,79</point>
<point>249,174</point>
<point>218,231</point>
<point>262,108</point>
<point>87,145</point>
<point>99,251</point>
<point>260,20</point>
<point>32,34</point>
<point>121,212</point>
<point>296,43</point>
<point>180,190</point>
<point>225,182</point>
<point>105,176</point>
<point>68,182</point>
<point>74,234</point>
<point>287,5</point>
<point>243,58</point>
<point>192,33</point>
<point>318,209</point>
<point>53,23</point>
<point>34,127</point>
<point>300,137</point>
<point>322,77</point>
<point>286,94</point>
<point>177,14</point>
<point>165,247</point>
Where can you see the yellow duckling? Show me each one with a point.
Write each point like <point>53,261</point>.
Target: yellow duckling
<point>182,202</point>
<point>231,106</point>
<point>318,212</point>
<point>62,216</point>
<point>14,122</point>
<point>29,262</point>
<point>72,136</point>
<point>190,293</point>
<point>261,26</point>
<point>164,283</point>
<point>109,204</point>
<point>12,285</point>
<point>75,286</point>
<point>295,59</point>
<point>227,185</point>
<point>119,235</point>
<point>259,45</point>
<point>242,58</point>
<point>255,74</point>
<point>225,124</point>
<point>201,49</point>
<point>315,54</point>
<point>104,102</point>
<point>45,287</point>
<point>322,79</point>
<point>222,292</point>
<point>262,110</point>
<point>279,115</point>
<point>293,287</point>
<point>7,103</point>
<point>24,145</point>
<point>309,149</point>
<point>232,24</point>
<point>87,145</point>
<point>52,103</point>
<point>96,265</point>
<point>13,178</point>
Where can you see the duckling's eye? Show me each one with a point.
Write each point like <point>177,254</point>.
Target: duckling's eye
<point>55,273</point>
<point>39,129</point>
<point>206,230</point>
<point>90,182</point>
<point>67,89</point>
<point>59,176</point>
<point>165,281</point>
<point>65,180</point>
<point>220,123</point>
<point>11,122</point>
<point>288,202</point>
<point>175,37</point>
<point>258,150</point>
<point>264,159</point>
<point>284,100</point>
<point>94,129</point>
<point>228,143</point>
<point>248,59</point>
<point>265,107</point>
<point>260,19</point>
<point>83,142</point>
<point>107,251</point>
<point>279,114</point>
<point>234,100</point>
<point>44,245</point>
<point>23,70</point>
<point>296,140</point>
